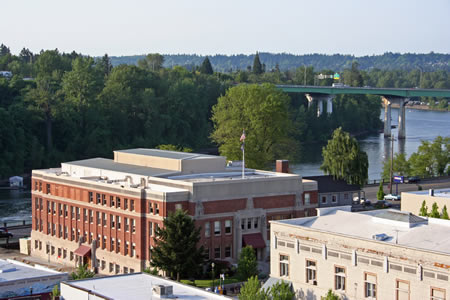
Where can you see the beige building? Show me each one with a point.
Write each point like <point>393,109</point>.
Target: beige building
<point>412,201</point>
<point>381,254</point>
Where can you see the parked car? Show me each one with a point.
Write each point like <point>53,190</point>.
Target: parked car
<point>413,179</point>
<point>5,234</point>
<point>393,197</point>
<point>383,204</point>
<point>365,202</point>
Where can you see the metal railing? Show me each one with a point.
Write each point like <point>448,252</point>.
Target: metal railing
<point>16,223</point>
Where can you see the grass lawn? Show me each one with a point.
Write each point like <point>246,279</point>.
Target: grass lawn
<point>204,283</point>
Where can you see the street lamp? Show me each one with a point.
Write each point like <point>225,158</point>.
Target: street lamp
<point>392,163</point>
<point>212,268</point>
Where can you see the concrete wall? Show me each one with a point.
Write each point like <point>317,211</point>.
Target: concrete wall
<point>358,257</point>
<point>413,202</point>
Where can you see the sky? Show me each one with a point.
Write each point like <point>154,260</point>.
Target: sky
<point>208,27</point>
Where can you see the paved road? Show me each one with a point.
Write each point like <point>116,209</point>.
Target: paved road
<point>371,191</point>
<point>18,232</point>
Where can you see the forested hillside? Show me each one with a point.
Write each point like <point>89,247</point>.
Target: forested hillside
<point>284,61</point>
<point>65,106</point>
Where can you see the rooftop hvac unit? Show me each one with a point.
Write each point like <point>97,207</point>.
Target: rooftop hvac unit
<point>163,291</point>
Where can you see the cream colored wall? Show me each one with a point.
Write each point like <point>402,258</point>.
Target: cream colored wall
<point>372,250</point>
<point>203,165</point>
<point>147,161</point>
<point>413,202</point>
<point>309,185</point>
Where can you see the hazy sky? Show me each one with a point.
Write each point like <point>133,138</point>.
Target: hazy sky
<point>127,27</point>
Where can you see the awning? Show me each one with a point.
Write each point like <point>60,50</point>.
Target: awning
<point>254,239</point>
<point>83,250</point>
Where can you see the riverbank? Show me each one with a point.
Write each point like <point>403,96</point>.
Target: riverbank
<point>420,107</point>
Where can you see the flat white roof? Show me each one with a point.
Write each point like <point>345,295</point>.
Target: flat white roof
<point>167,153</point>
<point>445,193</point>
<point>412,231</point>
<point>139,286</point>
<point>13,270</point>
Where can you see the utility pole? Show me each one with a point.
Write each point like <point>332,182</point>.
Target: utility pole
<point>392,164</point>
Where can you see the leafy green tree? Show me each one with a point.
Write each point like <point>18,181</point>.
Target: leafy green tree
<point>247,264</point>
<point>444,213</point>
<point>82,272</point>
<point>401,166</point>
<point>282,291</point>
<point>435,211</point>
<point>330,296</point>
<point>257,66</point>
<point>176,249</point>
<point>343,158</point>
<point>206,67</point>
<point>432,158</point>
<point>423,209</point>
<point>380,193</point>
<point>262,111</point>
<point>152,62</point>
<point>251,290</point>
<point>55,292</point>
<point>171,147</point>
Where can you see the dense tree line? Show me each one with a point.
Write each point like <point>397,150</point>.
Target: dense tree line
<point>66,106</point>
<point>285,61</point>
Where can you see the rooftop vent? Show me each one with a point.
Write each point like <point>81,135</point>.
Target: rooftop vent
<point>430,192</point>
<point>163,291</point>
<point>380,237</point>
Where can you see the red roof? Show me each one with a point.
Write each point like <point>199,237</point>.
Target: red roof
<point>83,250</point>
<point>254,239</point>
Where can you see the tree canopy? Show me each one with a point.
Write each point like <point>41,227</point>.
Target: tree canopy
<point>247,264</point>
<point>176,250</point>
<point>262,111</point>
<point>206,67</point>
<point>257,66</point>
<point>343,158</point>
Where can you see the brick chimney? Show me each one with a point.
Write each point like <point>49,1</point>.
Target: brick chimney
<point>282,166</point>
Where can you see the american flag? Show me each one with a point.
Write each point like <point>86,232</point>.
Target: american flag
<point>243,136</point>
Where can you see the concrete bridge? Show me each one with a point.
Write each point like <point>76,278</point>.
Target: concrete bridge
<point>388,95</point>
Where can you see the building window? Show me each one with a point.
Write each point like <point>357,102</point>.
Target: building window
<point>118,202</point>
<point>91,197</point>
<point>228,251</point>
<point>242,224</point>
<point>127,225</point>
<point>111,201</point>
<point>60,209</point>
<point>401,290</point>
<point>207,253</point>
<point>125,203</point>
<point>103,199</point>
<point>103,264</point>
<point>217,227</point>
<point>307,198</point>
<point>156,209</point>
<point>105,217</point>
<point>370,285</point>
<point>72,235</point>
<point>334,198</point>
<point>131,204</point>
<point>118,222</point>
<point>48,188</point>
<point>66,232</point>
<point>131,270</point>
<point>339,278</point>
<point>97,196</point>
<point>112,245</point>
<point>150,208</point>
<point>111,267</point>
<point>311,272</point>
<point>53,250</point>
<point>78,213</point>
<point>117,269</point>
<point>113,223</point>
<point>227,226</point>
<point>40,204</point>
<point>118,246</point>
<point>133,225</point>
<point>207,229</point>
<point>345,196</point>
<point>178,206</point>
<point>156,227</point>
<point>99,220</point>
<point>150,228</point>
<point>249,223</point>
<point>127,245</point>
<point>71,255</point>
<point>72,212</point>
<point>437,294</point>
<point>255,222</point>
<point>324,199</point>
<point>60,232</point>
<point>64,254</point>
<point>133,250</point>
<point>66,212</point>
<point>125,270</point>
<point>48,207</point>
<point>284,265</point>
<point>85,215</point>
<point>217,252</point>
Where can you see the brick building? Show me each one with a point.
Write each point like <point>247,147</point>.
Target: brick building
<point>104,212</point>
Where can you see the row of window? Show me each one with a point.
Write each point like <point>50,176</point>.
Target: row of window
<point>402,290</point>
<point>218,228</point>
<point>217,252</point>
<point>62,254</point>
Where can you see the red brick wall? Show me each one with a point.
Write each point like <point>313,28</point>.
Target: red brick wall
<point>221,206</point>
<point>274,201</point>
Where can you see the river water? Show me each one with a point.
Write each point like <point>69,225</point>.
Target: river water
<point>420,125</point>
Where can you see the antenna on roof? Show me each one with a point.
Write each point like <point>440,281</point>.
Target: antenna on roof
<point>396,236</point>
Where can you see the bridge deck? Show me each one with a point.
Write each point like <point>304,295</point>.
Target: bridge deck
<point>399,92</point>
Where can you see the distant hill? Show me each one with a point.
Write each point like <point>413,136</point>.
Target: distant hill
<point>337,62</point>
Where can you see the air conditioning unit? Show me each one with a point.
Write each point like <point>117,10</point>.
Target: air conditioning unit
<point>163,291</point>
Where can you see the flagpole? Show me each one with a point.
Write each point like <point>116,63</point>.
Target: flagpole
<point>243,160</point>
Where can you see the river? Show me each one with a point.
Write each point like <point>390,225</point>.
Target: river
<point>420,125</point>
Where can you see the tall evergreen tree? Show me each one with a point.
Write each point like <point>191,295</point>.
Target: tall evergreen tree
<point>444,213</point>
<point>380,193</point>
<point>257,66</point>
<point>176,249</point>
<point>435,211</point>
<point>206,67</point>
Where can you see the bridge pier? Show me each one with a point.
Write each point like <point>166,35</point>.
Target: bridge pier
<point>388,100</point>
<point>320,98</point>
